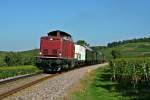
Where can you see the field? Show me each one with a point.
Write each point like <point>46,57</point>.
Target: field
<point>16,70</point>
<point>129,50</point>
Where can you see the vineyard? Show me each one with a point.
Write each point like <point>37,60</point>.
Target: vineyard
<point>132,73</point>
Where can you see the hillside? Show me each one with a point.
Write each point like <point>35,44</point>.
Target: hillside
<point>138,49</point>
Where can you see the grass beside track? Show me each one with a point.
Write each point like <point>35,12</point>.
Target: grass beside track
<point>12,71</point>
<point>97,86</point>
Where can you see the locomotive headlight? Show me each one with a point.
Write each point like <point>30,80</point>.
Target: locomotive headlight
<point>51,39</point>
<point>60,54</point>
<point>40,53</point>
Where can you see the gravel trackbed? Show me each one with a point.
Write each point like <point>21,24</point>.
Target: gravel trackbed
<point>54,88</point>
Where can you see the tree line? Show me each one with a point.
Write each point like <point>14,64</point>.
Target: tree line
<point>118,43</point>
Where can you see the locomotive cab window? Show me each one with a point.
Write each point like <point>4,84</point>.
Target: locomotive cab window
<point>60,34</point>
<point>53,34</point>
<point>65,36</point>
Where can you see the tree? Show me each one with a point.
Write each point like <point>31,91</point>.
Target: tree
<point>9,60</point>
<point>13,59</point>
<point>115,54</point>
<point>82,42</point>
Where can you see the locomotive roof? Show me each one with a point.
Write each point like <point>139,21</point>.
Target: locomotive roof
<point>61,32</point>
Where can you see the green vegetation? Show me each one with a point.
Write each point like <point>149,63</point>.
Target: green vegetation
<point>113,44</point>
<point>126,48</point>
<point>101,85</point>
<point>132,76</point>
<point>82,42</point>
<point>133,73</point>
<point>98,86</point>
<point>17,70</point>
<point>115,54</point>
<point>18,58</point>
<point>17,63</point>
<point>129,50</point>
<point>2,56</point>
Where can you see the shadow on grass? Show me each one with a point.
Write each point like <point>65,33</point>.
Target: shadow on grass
<point>124,87</point>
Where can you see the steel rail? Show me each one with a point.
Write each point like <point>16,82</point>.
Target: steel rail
<point>6,94</point>
<point>11,79</point>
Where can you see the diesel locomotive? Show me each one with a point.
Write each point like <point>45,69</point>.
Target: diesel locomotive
<point>58,52</point>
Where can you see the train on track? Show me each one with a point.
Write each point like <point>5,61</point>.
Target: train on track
<point>58,52</point>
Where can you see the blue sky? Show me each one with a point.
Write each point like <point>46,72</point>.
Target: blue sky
<point>23,22</point>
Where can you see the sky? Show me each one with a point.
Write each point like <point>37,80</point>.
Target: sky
<point>23,22</point>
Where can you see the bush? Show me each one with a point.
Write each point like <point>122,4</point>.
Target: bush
<point>115,54</point>
<point>13,59</point>
<point>131,72</point>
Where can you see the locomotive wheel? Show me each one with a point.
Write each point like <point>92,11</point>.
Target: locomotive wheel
<point>59,68</point>
<point>66,67</point>
<point>71,65</point>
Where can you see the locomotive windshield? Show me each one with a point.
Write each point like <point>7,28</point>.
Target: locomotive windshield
<point>61,34</point>
<point>65,37</point>
<point>53,34</point>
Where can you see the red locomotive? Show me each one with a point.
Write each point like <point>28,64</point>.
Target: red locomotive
<point>57,52</point>
<point>57,44</point>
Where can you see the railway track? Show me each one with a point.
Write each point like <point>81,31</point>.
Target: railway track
<point>17,89</point>
<point>3,81</point>
<point>28,84</point>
